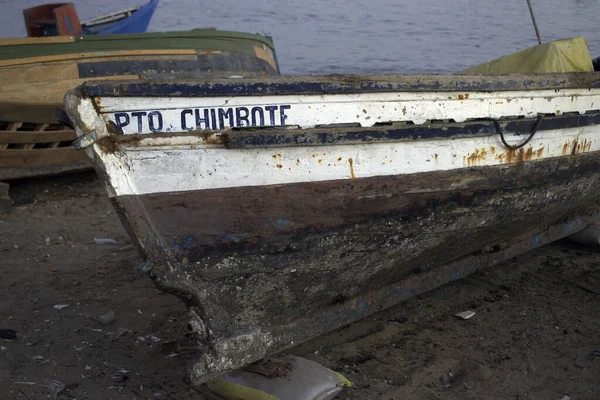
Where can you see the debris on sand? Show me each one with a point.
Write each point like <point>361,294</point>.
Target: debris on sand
<point>465,314</point>
<point>105,241</point>
<point>106,318</point>
<point>290,377</point>
<point>55,387</point>
<point>594,354</point>
<point>122,332</point>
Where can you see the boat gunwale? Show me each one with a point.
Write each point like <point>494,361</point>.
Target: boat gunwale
<point>343,84</point>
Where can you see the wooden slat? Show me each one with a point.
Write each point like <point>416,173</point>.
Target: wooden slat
<point>37,157</point>
<point>127,57</point>
<point>31,145</point>
<point>82,56</point>
<point>13,126</point>
<point>9,173</point>
<point>37,137</point>
<point>39,73</point>
<point>37,101</point>
<point>36,40</point>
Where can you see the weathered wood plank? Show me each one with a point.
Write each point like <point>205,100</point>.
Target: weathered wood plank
<point>36,157</point>
<point>80,56</point>
<point>38,73</point>
<point>266,55</point>
<point>36,40</point>
<point>346,84</point>
<point>37,137</point>
<point>12,127</point>
<point>37,101</point>
<point>10,173</point>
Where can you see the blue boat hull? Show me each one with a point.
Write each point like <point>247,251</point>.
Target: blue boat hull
<point>136,23</point>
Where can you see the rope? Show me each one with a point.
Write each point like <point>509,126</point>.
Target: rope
<point>533,132</point>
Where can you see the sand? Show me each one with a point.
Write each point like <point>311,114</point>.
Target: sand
<point>534,335</point>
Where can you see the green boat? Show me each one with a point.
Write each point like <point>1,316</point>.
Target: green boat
<point>36,72</point>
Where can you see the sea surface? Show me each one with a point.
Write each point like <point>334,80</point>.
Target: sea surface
<point>374,36</point>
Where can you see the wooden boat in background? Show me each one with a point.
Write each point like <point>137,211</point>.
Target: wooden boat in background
<point>35,74</point>
<point>282,208</point>
<point>62,19</point>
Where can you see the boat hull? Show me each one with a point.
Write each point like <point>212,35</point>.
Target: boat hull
<point>275,236</point>
<point>366,252</point>
<point>135,22</point>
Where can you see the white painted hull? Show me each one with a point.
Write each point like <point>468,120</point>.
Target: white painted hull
<point>182,163</point>
<point>367,109</point>
<point>182,168</point>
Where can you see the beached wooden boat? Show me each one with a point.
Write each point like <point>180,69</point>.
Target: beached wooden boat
<point>279,209</point>
<point>62,19</point>
<point>282,208</point>
<point>37,72</point>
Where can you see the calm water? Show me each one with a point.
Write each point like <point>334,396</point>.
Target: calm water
<point>374,36</point>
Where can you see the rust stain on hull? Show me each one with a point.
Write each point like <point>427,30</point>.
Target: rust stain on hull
<point>351,162</point>
<point>476,157</point>
<point>575,147</point>
<point>583,147</point>
<point>520,155</point>
<point>509,156</point>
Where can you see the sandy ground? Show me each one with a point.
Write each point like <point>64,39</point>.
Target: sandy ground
<point>534,335</point>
